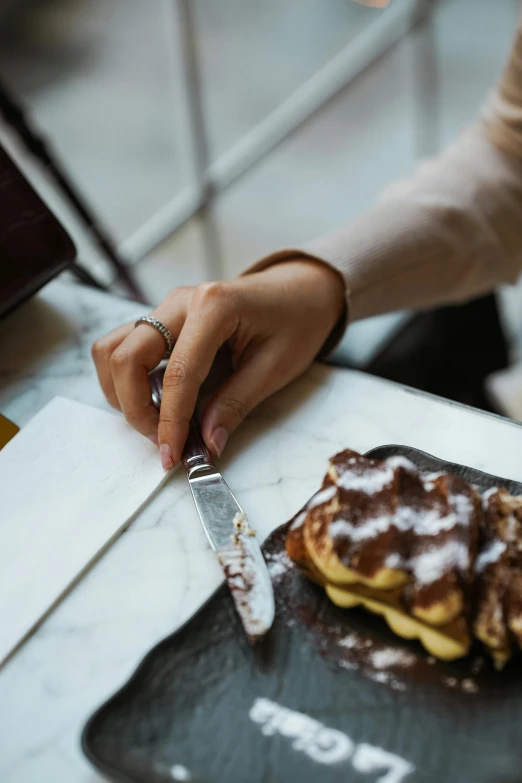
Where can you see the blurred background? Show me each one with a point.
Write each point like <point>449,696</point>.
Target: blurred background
<point>206,134</point>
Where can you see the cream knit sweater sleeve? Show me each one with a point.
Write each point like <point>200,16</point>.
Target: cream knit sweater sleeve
<point>448,233</point>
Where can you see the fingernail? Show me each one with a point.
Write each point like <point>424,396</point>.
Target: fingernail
<point>166,456</point>
<point>219,440</point>
<point>153,438</point>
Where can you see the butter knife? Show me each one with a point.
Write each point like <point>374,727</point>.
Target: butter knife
<point>227,529</point>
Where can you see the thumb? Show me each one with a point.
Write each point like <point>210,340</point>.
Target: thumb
<point>252,383</point>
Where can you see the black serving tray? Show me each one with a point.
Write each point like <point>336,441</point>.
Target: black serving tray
<point>330,695</point>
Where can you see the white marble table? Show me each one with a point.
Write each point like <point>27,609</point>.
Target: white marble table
<point>161,569</point>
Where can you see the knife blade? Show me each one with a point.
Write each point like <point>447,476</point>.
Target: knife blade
<point>227,529</point>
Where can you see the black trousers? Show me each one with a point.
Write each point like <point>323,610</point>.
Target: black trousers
<point>448,351</point>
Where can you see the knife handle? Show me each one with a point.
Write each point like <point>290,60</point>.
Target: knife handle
<point>195,451</point>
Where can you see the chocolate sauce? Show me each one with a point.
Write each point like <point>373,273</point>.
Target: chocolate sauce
<point>498,615</point>
<point>460,553</point>
<point>391,516</point>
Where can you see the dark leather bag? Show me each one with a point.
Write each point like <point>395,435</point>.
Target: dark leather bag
<point>34,247</point>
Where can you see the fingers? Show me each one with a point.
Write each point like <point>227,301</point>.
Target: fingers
<point>211,320</point>
<point>130,365</point>
<point>125,357</point>
<point>101,352</point>
<point>252,383</point>
<point>136,356</point>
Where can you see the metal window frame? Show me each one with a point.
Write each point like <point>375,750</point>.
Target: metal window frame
<point>214,177</point>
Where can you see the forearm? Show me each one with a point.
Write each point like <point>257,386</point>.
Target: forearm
<point>450,232</point>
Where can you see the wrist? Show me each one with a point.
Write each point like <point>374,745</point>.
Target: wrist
<point>323,282</point>
<point>318,286</point>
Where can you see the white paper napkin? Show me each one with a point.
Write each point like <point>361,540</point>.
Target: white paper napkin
<point>69,483</point>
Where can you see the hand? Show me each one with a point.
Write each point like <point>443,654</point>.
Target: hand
<point>276,321</point>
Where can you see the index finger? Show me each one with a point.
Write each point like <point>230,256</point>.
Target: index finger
<point>210,322</point>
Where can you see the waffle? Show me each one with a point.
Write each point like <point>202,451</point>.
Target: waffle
<point>498,569</point>
<point>425,551</point>
<point>383,525</point>
<point>446,642</point>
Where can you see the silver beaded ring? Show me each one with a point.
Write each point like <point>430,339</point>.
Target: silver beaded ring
<point>161,328</point>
